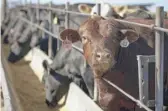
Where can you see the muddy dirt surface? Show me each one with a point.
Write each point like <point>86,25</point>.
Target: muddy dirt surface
<point>29,89</point>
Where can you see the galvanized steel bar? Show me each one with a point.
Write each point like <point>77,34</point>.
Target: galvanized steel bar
<point>50,54</point>
<point>128,95</point>
<point>67,15</point>
<point>119,20</point>
<point>38,11</point>
<point>98,9</point>
<point>59,29</point>
<point>60,10</point>
<point>159,54</point>
<point>143,25</point>
<point>140,78</point>
<point>3,9</point>
<point>48,32</point>
<point>96,93</point>
<point>30,11</point>
<point>25,2</point>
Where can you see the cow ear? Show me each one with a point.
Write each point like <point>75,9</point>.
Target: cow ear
<point>130,36</point>
<point>83,8</point>
<point>70,34</point>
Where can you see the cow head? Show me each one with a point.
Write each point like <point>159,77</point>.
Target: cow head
<point>18,51</point>
<point>101,41</point>
<point>30,38</point>
<point>51,87</point>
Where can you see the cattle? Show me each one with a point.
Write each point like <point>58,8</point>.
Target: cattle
<point>22,37</point>
<point>120,12</point>
<point>106,10</point>
<point>7,30</point>
<point>139,14</point>
<point>10,15</point>
<point>15,36</point>
<point>101,40</point>
<point>69,64</point>
<point>30,38</point>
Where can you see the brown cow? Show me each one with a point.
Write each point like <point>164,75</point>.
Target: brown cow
<point>101,42</point>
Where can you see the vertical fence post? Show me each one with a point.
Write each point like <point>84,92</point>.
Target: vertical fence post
<point>50,37</point>
<point>25,2</point>
<point>95,84</point>
<point>98,8</point>
<point>31,15</point>
<point>159,54</point>
<point>67,15</point>
<point>38,12</point>
<point>3,9</point>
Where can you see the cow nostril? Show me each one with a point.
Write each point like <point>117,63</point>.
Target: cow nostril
<point>50,104</point>
<point>98,55</point>
<point>108,55</point>
<point>47,102</point>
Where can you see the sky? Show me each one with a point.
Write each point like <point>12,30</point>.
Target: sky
<point>115,2</point>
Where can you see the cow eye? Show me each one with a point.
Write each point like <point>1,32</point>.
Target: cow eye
<point>52,91</point>
<point>83,37</point>
<point>84,40</point>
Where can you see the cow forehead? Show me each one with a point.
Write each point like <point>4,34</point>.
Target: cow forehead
<point>96,30</point>
<point>89,26</point>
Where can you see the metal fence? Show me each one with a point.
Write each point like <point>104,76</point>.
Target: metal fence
<point>159,49</point>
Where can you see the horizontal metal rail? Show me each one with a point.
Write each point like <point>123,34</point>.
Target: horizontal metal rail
<point>152,27</point>
<point>60,10</point>
<point>48,32</point>
<point>128,95</point>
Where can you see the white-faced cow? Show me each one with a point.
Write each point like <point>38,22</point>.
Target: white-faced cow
<point>69,65</point>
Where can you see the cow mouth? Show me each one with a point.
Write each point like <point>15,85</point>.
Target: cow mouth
<point>13,58</point>
<point>52,104</point>
<point>103,66</point>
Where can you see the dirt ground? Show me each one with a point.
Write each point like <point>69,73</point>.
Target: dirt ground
<point>29,89</point>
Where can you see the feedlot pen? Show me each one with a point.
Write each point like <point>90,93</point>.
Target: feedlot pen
<point>29,89</point>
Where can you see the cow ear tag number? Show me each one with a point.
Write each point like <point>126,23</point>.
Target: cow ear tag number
<point>67,43</point>
<point>124,43</point>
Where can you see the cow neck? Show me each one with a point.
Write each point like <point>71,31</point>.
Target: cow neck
<point>98,80</point>
<point>102,91</point>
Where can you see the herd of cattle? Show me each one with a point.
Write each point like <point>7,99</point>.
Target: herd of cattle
<point>104,55</point>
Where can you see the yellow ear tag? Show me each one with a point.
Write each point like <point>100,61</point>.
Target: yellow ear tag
<point>55,21</point>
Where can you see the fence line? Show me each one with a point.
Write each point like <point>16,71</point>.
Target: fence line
<point>59,10</point>
<point>81,50</point>
<point>153,27</point>
<point>142,25</point>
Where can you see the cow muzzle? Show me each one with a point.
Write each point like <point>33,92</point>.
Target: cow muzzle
<point>51,104</point>
<point>102,61</point>
<point>103,56</point>
<point>13,57</point>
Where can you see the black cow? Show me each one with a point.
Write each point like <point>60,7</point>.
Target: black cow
<point>68,65</point>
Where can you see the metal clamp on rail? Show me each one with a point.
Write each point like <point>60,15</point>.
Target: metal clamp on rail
<point>143,76</point>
